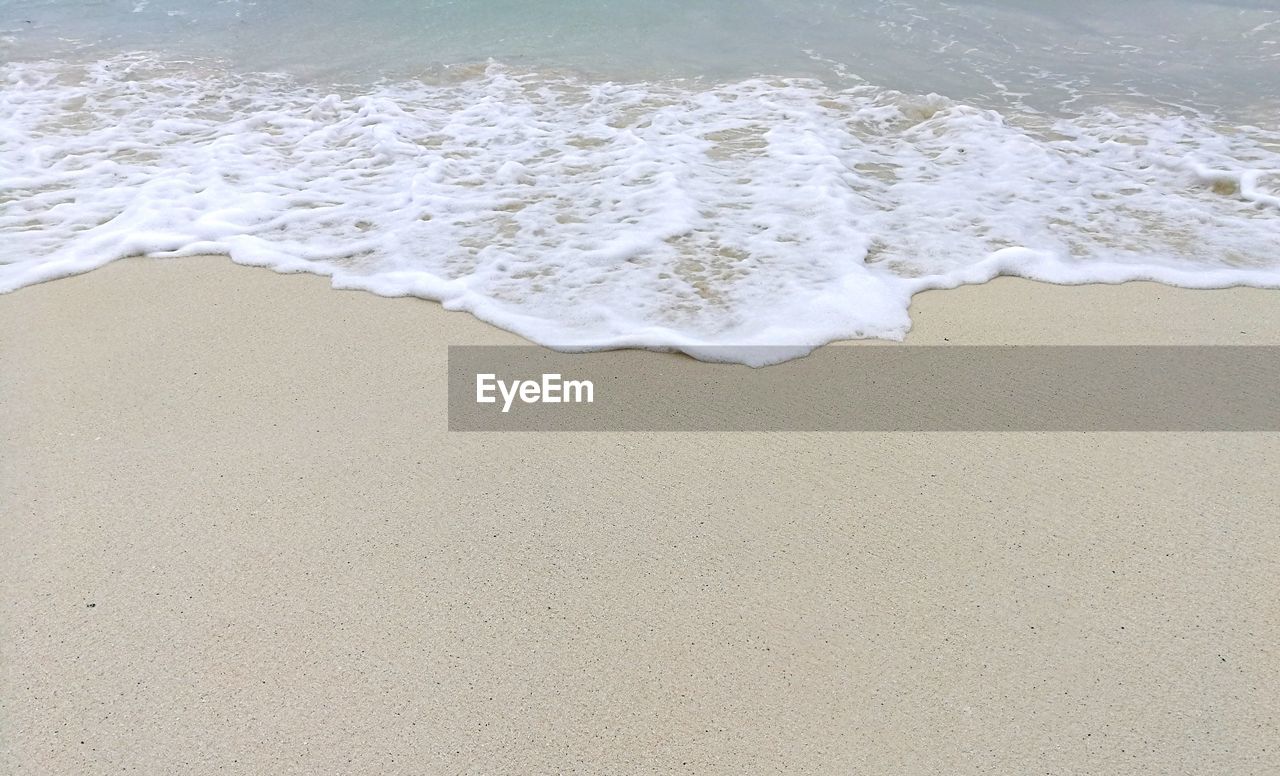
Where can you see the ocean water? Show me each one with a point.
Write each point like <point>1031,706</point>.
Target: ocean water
<point>683,175</point>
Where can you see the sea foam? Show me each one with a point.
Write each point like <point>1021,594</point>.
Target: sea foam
<point>583,215</point>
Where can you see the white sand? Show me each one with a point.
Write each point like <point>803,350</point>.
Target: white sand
<point>293,568</point>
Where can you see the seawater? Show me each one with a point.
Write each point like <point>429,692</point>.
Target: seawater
<point>669,175</point>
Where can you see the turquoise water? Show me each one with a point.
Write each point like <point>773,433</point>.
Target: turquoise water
<point>659,174</point>
<point>1204,54</point>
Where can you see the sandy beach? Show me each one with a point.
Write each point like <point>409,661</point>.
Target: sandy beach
<point>237,538</point>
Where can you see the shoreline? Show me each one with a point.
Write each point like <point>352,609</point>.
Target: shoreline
<point>1039,313</point>
<point>237,535</point>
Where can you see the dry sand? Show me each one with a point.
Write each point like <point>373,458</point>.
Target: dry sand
<point>237,539</point>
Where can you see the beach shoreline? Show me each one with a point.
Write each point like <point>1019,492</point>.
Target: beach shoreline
<point>237,535</point>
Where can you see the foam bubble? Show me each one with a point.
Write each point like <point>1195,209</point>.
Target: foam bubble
<point>590,215</point>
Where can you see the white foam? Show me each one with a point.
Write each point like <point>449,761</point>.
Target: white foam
<point>595,215</point>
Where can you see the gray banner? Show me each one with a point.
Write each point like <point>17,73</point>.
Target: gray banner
<point>871,388</point>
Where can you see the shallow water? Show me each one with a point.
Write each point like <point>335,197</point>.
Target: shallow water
<point>599,174</point>
<point>1206,54</point>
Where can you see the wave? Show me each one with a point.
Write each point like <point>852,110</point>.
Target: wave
<point>587,215</point>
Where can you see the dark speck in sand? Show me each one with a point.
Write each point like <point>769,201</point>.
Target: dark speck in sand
<point>90,606</point>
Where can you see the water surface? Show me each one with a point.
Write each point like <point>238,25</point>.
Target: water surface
<point>659,174</point>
